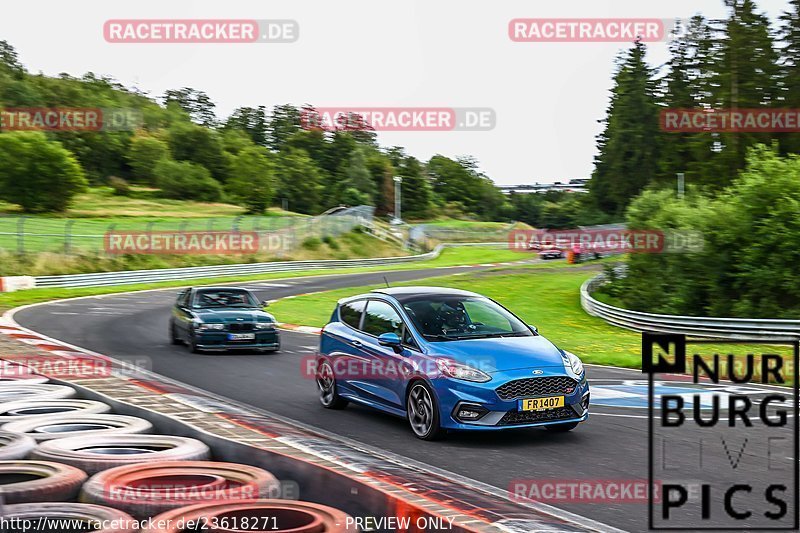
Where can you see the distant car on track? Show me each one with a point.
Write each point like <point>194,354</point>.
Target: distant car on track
<point>222,318</point>
<point>447,359</point>
<point>551,253</point>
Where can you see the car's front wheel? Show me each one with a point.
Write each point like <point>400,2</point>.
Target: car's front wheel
<point>326,383</point>
<point>423,412</point>
<point>173,335</point>
<point>193,344</point>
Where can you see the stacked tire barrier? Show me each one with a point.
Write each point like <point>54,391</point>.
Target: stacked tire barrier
<point>69,464</point>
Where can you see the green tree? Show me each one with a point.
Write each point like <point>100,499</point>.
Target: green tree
<point>284,121</point>
<point>182,180</point>
<point>252,181</point>
<point>357,177</point>
<point>416,191</point>
<point>790,61</point>
<point>628,155</point>
<point>196,103</point>
<point>38,174</point>
<point>199,145</point>
<point>144,154</point>
<point>251,120</point>
<point>299,181</point>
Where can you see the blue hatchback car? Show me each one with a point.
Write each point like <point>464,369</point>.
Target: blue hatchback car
<point>447,359</point>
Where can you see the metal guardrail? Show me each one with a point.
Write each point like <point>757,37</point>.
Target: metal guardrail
<point>696,326</point>
<point>98,279</point>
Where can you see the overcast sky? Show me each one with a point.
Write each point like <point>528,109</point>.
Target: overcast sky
<point>423,53</point>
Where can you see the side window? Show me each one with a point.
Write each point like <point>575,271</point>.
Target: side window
<point>181,300</point>
<point>381,318</point>
<point>408,338</point>
<point>350,313</point>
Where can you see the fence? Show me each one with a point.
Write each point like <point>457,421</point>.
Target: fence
<point>32,235</point>
<point>711,327</point>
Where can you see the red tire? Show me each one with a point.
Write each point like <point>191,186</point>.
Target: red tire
<point>95,454</point>
<point>145,490</point>
<point>62,426</point>
<point>53,516</point>
<point>40,481</point>
<point>15,445</point>
<point>271,515</point>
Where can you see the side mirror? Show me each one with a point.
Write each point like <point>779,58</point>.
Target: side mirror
<point>389,339</point>
<point>533,328</point>
<point>265,304</point>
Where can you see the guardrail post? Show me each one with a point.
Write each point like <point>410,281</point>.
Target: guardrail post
<point>111,228</point>
<point>235,224</point>
<point>21,235</point>
<point>68,236</point>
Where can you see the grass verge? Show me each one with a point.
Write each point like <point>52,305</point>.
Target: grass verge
<point>448,257</point>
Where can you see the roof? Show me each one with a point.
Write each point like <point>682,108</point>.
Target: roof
<point>409,292</point>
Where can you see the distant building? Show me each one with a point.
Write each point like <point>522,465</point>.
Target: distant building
<point>573,185</point>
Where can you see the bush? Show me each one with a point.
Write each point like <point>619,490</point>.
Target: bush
<point>38,174</point>
<point>331,242</point>
<point>119,186</point>
<point>143,156</point>
<point>181,180</point>
<point>311,243</point>
<point>252,180</point>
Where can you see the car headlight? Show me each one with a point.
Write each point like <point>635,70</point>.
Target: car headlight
<point>462,372</point>
<point>574,362</point>
<point>265,325</point>
<point>209,327</point>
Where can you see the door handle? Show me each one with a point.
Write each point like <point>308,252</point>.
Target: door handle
<point>357,344</point>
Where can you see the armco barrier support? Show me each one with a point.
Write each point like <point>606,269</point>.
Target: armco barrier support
<point>323,468</point>
<point>697,326</point>
<point>16,283</point>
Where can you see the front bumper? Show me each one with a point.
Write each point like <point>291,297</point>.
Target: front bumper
<point>218,341</point>
<point>499,413</point>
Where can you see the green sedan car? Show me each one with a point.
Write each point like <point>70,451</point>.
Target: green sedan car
<point>221,319</point>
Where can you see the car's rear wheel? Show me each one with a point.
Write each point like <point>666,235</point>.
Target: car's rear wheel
<point>562,428</point>
<point>326,383</point>
<point>173,335</point>
<point>423,412</point>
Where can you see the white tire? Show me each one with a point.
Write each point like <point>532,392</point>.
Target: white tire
<point>101,452</point>
<point>59,427</point>
<point>15,445</point>
<point>11,392</point>
<point>12,411</point>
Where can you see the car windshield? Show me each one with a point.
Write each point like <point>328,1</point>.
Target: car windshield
<point>452,317</point>
<point>224,298</point>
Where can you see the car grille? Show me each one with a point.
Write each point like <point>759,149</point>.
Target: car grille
<point>523,388</point>
<point>237,326</point>
<point>531,417</point>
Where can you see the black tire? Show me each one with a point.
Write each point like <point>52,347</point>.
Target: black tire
<point>15,445</point>
<point>562,428</point>
<point>98,453</point>
<point>192,344</point>
<point>40,481</point>
<point>40,513</point>
<point>172,336</point>
<point>326,384</point>
<point>422,412</point>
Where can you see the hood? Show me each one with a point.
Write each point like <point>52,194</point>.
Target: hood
<point>500,354</point>
<point>232,315</point>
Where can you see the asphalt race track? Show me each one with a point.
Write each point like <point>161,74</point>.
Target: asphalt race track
<point>611,445</point>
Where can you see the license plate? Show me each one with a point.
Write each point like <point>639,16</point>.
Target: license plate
<point>241,336</point>
<point>540,404</point>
